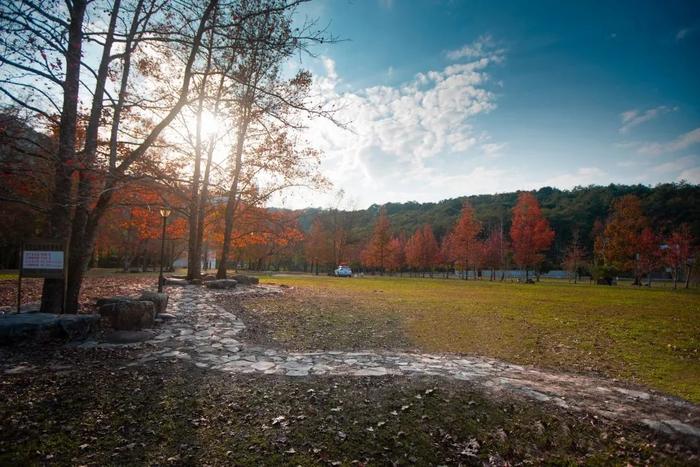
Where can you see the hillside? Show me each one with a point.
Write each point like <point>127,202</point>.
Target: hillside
<point>666,205</point>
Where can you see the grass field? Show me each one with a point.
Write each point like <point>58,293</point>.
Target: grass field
<point>645,336</point>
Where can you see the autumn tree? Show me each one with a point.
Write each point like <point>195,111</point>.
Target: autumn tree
<point>530,232</point>
<point>316,244</point>
<point>396,254</point>
<point>649,253</point>
<point>264,101</point>
<point>493,252</point>
<point>88,168</point>
<point>449,253</point>
<point>422,250</point>
<point>375,254</point>
<point>677,253</point>
<point>464,237</point>
<point>574,257</point>
<point>620,239</point>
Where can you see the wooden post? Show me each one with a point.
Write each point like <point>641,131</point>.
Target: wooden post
<point>19,277</point>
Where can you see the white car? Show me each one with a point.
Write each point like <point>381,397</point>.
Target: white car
<point>343,271</point>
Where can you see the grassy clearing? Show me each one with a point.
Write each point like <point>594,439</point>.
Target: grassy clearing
<point>647,336</point>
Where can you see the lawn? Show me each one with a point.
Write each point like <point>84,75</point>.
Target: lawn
<point>644,336</point>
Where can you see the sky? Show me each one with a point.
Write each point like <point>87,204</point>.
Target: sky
<point>448,98</point>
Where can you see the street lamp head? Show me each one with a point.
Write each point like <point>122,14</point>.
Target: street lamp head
<point>164,212</point>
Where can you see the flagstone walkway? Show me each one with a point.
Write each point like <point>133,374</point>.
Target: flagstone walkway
<point>204,333</point>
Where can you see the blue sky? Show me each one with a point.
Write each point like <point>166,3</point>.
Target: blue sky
<point>448,98</point>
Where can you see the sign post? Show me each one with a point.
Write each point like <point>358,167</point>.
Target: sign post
<point>42,258</point>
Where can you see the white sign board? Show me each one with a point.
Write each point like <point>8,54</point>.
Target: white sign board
<point>42,260</point>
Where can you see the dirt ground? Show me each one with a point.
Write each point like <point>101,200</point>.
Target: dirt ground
<point>64,405</point>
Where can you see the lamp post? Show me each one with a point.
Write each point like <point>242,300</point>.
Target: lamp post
<point>164,213</point>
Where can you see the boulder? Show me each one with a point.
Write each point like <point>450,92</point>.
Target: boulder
<point>32,307</point>
<point>115,299</point>
<point>174,281</point>
<point>41,327</point>
<point>160,300</point>
<point>127,315</point>
<point>78,326</point>
<point>245,280</point>
<point>221,284</point>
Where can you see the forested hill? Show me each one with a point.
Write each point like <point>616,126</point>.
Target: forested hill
<point>666,205</point>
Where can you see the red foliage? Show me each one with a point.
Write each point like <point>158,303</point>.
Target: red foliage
<point>530,232</point>
<point>649,248</point>
<point>422,250</point>
<point>464,248</point>
<point>678,250</point>
<point>376,252</point>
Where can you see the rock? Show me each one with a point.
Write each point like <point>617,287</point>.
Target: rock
<point>115,299</point>
<point>160,300</point>
<point>40,327</point>
<point>78,326</point>
<point>128,314</point>
<point>196,281</point>
<point>166,316</point>
<point>221,284</point>
<point>208,277</point>
<point>32,307</point>
<point>245,280</point>
<point>174,281</point>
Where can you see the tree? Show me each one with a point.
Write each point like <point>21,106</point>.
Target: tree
<point>263,100</point>
<point>530,232</point>
<point>621,235</point>
<point>493,252</point>
<point>449,253</point>
<point>375,254</point>
<point>649,251</point>
<point>316,244</point>
<point>422,250</point>
<point>678,252</point>
<point>574,257</point>
<point>84,180</point>
<point>464,236</point>
<point>396,254</point>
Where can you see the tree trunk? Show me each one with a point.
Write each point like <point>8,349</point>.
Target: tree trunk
<point>689,270</point>
<point>232,202</point>
<point>59,218</point>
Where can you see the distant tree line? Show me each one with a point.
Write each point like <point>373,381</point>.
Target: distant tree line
<point>602,232</point>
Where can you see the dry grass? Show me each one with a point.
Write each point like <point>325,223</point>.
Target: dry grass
<point>646,336</point>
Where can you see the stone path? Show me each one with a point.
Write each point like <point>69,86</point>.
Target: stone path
<point>204,333</point>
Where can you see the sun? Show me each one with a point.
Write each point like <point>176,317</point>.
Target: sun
<point>211,124</point>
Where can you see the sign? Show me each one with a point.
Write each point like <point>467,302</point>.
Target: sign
<point>42,260</point>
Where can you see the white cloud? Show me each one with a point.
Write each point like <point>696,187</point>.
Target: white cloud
<point>681,163</point>
<point>683,33</point>
<point>680,143</point>
<point>493,150</point>
<point>690,175</point>
<point>483,46</point>
<point>634,117</point>
<point>581,177</point>
<point>396,133</point>
<point>425,117</point>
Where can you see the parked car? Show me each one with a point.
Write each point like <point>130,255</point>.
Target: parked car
<point>343,271</point>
